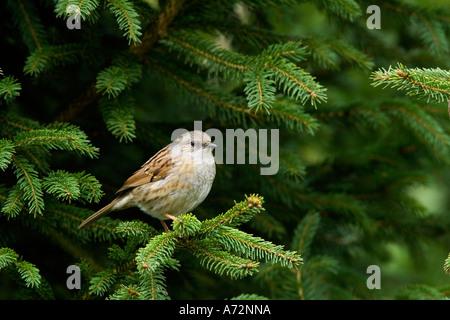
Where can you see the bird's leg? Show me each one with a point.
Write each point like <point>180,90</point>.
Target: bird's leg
<point>166,228</point>
<point>171,217</point>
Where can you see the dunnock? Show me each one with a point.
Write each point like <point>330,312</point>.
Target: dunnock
<point>173,182</point>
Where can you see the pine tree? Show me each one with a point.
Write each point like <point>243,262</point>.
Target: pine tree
<point>359,161</point>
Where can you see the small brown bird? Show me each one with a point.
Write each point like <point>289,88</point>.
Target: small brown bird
<point>173,182</point>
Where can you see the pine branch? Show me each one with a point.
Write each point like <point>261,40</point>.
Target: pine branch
<point>256,248</point>
<point>62,185</point>
<point>297,83</point>
<point>90,187</point>
<point>27,20</point>
<point>408,9</point>
<point>29,183</point>
<point>222,262</point>
<point>340,48</point>
<point>127,18</point>
<point>291,167</point>
<point>231,107</point>
<point>72,186</point>
<point>241,212</point>
<point>138,230</point>
<point>347,9</point>
<point>260,90</point>
<point>127,293</point>
<point>247,296</point>
<point>7,257</point>
<point>85,8</point>
<point>27,271</point>
<point>102,282</point>
<point>432,32</point>
<point>9,88</point>
<point>6,153</point>
<point>425,83</point>
<point>11,124</point>
<point>50,56</point>
<point>285,112</point>
<point>305,232</point>
<point>57,136</point>
<point>119,117</point>
<point>153,286</point>
<point>156,252</point>
<point>215,242</point>
<point>292,116</point>
<point>312,280</point>
<point>447,265</point>
<point>260,72</point>
<point>420,292</point>
<point>14,202</point>
<point>199,49</point>
<point>112,81</point>
<point>66,218</point>
<point>425,128</point>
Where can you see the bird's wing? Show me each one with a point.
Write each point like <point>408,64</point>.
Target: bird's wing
<point>155,169</point>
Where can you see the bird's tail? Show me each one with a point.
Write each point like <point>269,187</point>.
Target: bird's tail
<point>100,213</point>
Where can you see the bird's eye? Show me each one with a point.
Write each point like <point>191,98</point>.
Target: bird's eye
<point>192,144</point>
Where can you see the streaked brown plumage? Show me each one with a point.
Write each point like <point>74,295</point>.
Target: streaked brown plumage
<point>173,182</point>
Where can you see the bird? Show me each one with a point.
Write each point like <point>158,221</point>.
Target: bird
<point>173,182</point>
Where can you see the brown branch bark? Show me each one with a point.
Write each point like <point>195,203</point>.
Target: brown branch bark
<point>158,28</point>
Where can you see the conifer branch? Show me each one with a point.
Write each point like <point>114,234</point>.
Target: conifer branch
<point>284,111</point>
<point>140,231</point>
<point>215,242</point>
<point>256,71</point>
<point>57,136</point>
<point>347,9</point>
<point>304,233</point>
<point>153,255</point>
<point>291,115</point>
<point>47,56</point>
<point>256,247</point>
<point>72,186</point>
<point>205,93</point>
<point>29,183</point>
<point>6,153</point>
<point>27,20</point>
<point>85,7</point>
<point>447,265</point>
<point>210,52</point>
<point>27,271</point>
<point>408,10</point>
<point>425,127</point>
<point>222,262</point>
<point>11,123</point>
<point>13,203</point>
<point>425,83</point>
<point>127,18</point>
<point>9,88</point>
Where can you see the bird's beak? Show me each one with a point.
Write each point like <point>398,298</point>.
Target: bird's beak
<point>211,145</point>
